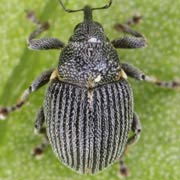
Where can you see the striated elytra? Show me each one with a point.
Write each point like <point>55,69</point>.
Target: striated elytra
<point>88,134</point>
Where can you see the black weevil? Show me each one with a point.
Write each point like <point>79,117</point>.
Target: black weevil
<point>88,109</point>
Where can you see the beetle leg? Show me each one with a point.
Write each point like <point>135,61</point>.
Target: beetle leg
<point>43,43</point>
<point>134,20</point>
<point>136,128</point>
<point>36,84</point>
<point>39,149</point>
<point>139,75</point>
<point>39,129</point>
<point>137,40</point>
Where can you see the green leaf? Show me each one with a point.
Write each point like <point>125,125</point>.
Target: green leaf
<point>157,154</point>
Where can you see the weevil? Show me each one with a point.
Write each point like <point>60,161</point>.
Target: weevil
<point>88,107</point>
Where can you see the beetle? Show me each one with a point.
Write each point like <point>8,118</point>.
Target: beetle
<point>88,109</point>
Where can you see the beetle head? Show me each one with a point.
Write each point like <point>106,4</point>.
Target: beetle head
<point>88,30</point>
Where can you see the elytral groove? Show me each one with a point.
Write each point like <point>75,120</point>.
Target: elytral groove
<point>58,123</point>
<point>112,120</point>
<point>116,100</point>
<point>55,109</point>
<point>81,123</point>
<point>48,114</point>
<point>91,127</point>
<point>63,124</point>
<point>109,138</point>
<point>73,124</point>
<point>97,132</point>
<point>78,131</point>
<point>68,122</point>
<point>52,126</point>
<point>123,125</point>
<point>105,128</point>
<point>121,113</point>
<point>124,139</point>
<point>85,140</point>
<point>66,125</point>
<point>128,110</point>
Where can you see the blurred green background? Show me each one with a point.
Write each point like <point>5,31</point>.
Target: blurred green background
<point>157,154</point>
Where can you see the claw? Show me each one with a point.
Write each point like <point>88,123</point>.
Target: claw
<point>32,17</point>
<point>45,26</point>
<point>136,19</point>
<point>3,113</point>
<point>124,172</point>
<point>37,152</point>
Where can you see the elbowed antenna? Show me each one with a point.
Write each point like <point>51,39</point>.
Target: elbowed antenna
<point>70,10</point>
<point>104,7</point>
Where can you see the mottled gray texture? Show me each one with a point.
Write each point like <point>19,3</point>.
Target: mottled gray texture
<point>136,40</point>
<point>45,44</point>
<point>81,62</point>
<point>129,42</point>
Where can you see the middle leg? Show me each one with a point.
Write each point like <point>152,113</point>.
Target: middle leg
<point>136,128</point>
<point>43,79</point>
<point>139,75</point>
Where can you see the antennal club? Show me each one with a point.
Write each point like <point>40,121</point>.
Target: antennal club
<point>70,10</point>
<point>104,7</point>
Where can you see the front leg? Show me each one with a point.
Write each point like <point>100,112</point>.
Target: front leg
<point>137,40</point>
<point>43,43</point>
<point>139,75</point>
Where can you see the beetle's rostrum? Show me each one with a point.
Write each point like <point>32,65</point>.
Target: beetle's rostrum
<point>88,108</point>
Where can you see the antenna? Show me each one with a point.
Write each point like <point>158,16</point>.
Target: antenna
<point>104,7</point>
<point>70,10</point>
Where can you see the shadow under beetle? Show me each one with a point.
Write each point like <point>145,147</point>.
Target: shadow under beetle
<point>88,109</point>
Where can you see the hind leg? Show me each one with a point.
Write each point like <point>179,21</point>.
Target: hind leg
<point>40,129</point>
<point>136,128</point>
